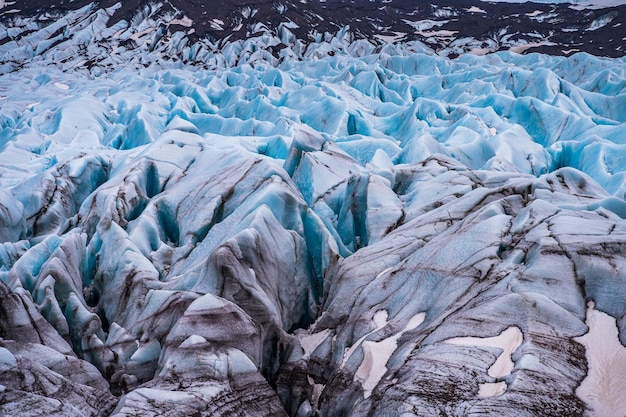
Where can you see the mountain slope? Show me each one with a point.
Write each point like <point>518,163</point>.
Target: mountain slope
<point>93,30</point>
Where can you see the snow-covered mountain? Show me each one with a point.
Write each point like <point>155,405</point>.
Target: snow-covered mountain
<point>252,209</point>
<point>110,33</point>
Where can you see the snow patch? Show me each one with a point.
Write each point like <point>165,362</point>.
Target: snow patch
<point>138,35</point>
<point>10,11</point>
<point>427,24</point>
<point>380,320</point>
<point>475,9</point>
<point>184,21</point>
<point>376,354</point>
<point>604,388</point>
<point>574,4</point>
<point>509,340</point>
<point>310,342</point>
<point>217,24</point>
<point>391,38</point>
<point>602,21</point>
<point>479,51</point>
<point>440,33</point>
<point>491,389</point>
<point>534,14</point>
<point>520,48</point>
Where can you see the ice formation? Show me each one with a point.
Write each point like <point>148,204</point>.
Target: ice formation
<point>363,232</point>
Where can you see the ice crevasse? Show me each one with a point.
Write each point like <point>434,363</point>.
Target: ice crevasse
<point>388,234</point>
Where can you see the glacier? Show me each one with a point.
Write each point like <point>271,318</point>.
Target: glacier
<point>347,230</point>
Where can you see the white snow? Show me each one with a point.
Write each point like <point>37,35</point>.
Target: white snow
<point>601,21</point>
<point>534,13</point>
<point>138,35</point>
<point>479,51</point>
<point>217,24</point>
<point>604,388</point>
<point>379,320</point>
<point>391,38</point>
<point>576,4</point>
<point>491,389</point>
<point>426,24</point>
<point>509,340</point>
<point>376,354</point>
<point>439,33</point>
<point>475,9</point>
<point>310,342</point>
<point>61,86</point>
<point>525,46</point>
<point>184,21</point>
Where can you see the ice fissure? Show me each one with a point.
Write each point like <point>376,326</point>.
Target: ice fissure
<point>367,232</point>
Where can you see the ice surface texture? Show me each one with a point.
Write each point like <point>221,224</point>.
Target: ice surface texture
<point>391,234</point>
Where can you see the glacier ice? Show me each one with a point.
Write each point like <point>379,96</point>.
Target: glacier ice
<point>345,234</point>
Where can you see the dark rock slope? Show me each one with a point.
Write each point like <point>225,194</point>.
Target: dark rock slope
<point>450,27</point>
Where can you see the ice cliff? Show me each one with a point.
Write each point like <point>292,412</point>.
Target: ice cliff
<point>366,232</point>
